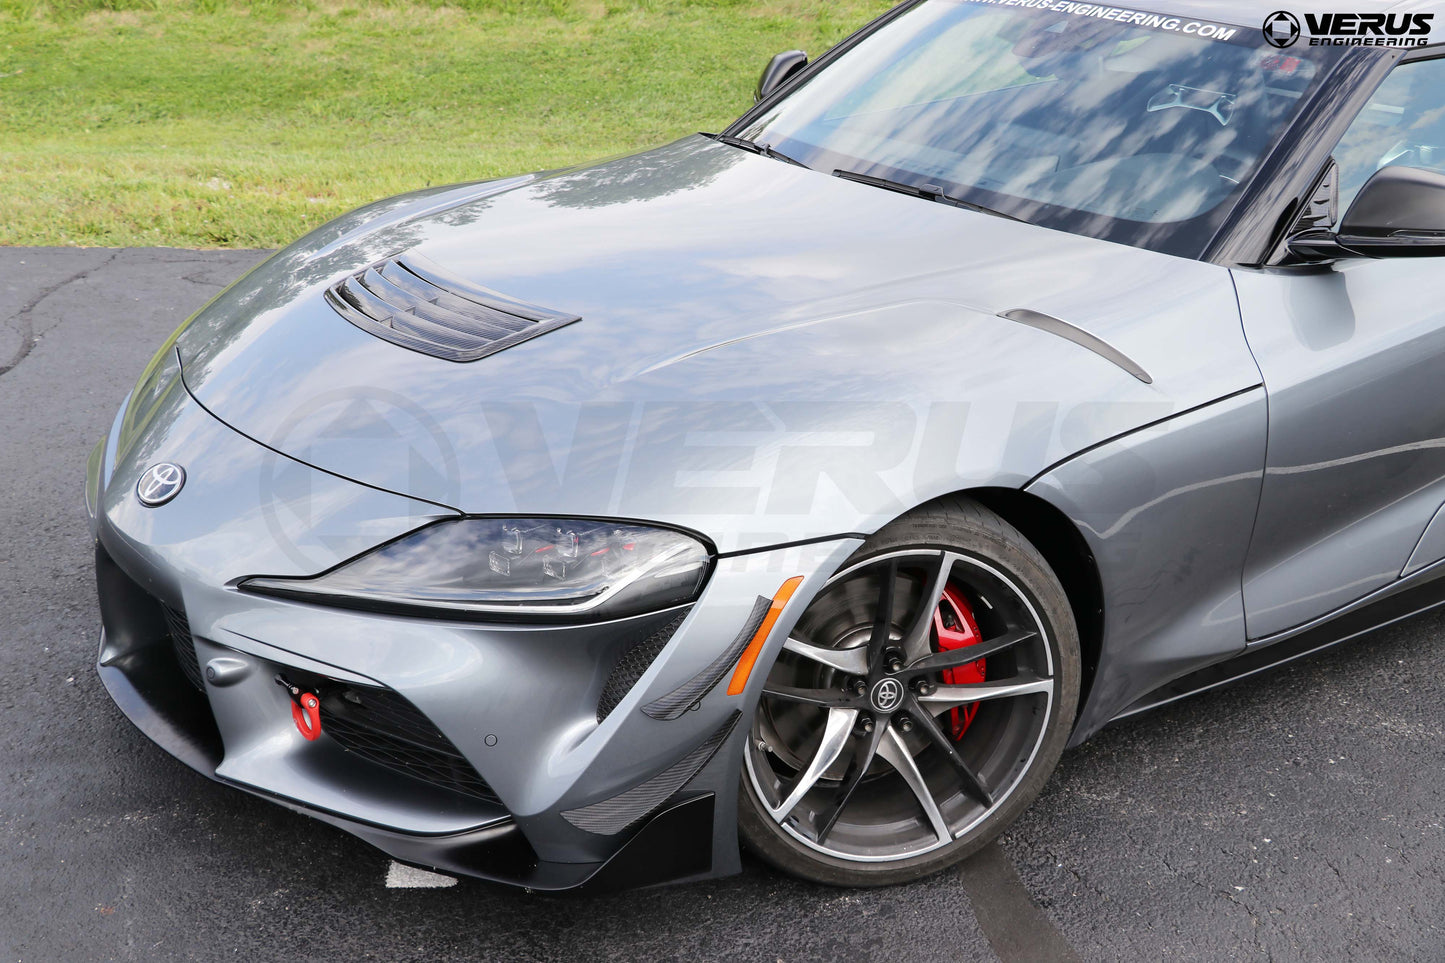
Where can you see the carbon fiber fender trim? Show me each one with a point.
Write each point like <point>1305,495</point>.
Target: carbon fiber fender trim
<point>612,816</point>
<point>679,700</point>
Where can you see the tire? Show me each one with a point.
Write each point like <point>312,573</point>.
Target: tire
<point>851,826</point>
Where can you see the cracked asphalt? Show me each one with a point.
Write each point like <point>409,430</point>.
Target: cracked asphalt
<point>1295,816</point>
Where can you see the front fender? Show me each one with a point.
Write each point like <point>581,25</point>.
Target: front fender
<point>1167,513</point>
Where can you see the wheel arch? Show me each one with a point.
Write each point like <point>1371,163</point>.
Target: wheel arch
<point>1063,546</point>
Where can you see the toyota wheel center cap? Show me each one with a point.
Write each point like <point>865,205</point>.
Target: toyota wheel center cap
<point>886,695</point>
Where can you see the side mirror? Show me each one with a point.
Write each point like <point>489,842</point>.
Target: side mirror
<point>1400,212</point>
<point>778,71</point>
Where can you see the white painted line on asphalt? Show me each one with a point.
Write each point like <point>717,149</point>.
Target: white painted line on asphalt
<point>401,876</point>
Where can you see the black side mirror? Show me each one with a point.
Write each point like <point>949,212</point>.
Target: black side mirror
<point>1400,212</point>
<point>778,71</point>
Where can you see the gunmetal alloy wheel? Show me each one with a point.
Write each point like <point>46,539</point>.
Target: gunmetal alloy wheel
<point>918,706</point>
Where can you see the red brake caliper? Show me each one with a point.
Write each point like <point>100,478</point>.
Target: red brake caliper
<point>957,629</point>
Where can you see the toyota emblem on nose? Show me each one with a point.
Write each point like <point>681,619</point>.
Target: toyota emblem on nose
<point>887,694</point>
<point>160,484</point>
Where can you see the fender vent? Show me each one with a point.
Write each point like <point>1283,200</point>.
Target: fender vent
<point>411,302</point>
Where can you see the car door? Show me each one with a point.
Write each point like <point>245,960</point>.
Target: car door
<point>1353,357</point>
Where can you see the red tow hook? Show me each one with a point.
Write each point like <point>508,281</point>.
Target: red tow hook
<point>305,709</point>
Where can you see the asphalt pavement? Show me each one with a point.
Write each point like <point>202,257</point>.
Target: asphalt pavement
<point>1295,816</point>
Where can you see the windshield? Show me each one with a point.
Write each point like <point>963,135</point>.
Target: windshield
<point>1140,128</point>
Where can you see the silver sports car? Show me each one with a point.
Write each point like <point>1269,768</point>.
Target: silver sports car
<point>1012,368</point>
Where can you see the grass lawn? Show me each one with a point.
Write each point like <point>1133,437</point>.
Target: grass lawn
<point>204,123</point>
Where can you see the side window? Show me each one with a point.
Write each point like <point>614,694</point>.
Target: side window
<point>1403,124</point>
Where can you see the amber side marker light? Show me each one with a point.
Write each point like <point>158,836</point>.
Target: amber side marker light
<point>750,654</point>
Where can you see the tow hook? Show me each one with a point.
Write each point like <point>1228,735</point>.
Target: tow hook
<point>305,708</point>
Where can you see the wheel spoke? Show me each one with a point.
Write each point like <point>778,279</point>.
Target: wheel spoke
<point>916,639</point>
<point>951,696</point>
<point>954,658</point>
<point>854,661</point>
<point>971,783</point>
<point>836,732</point>
<point>828,698</point>
<point>895,752</point>
<point>883,618</point>
<point>864,749</point>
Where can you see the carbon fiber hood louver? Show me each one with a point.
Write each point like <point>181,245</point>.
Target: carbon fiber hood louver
<point>409,301</point>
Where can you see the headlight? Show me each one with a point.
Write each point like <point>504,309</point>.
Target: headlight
<point>517,569</point>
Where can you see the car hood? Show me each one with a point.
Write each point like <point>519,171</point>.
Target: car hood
<point>766,353</point>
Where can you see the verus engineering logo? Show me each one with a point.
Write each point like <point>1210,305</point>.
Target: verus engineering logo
<point>1283,29</point>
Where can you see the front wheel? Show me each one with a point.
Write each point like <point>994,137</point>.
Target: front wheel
<point>917,708</point>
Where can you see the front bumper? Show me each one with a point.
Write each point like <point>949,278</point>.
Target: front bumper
<point>570,795</point>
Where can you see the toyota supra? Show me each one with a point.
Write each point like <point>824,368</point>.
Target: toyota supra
<point>810,486</point>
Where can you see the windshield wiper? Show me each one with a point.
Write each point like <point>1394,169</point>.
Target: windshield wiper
<point>767,150</point>
<point>928,192</point>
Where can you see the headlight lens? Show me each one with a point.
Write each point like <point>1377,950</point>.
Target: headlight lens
<point>525,569</point>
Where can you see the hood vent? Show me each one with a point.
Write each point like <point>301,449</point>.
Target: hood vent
<point>411,302</point>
